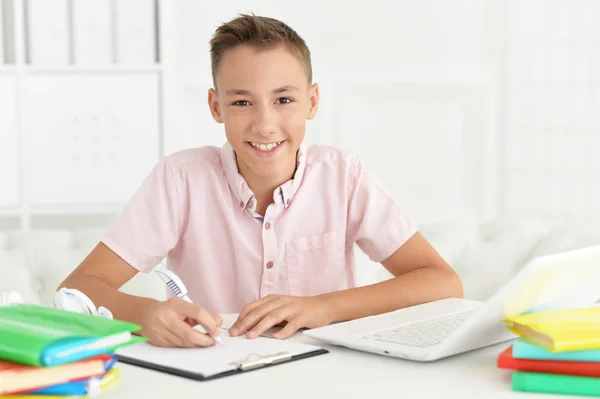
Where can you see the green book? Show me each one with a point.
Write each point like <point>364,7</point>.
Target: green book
<point>43,336</point>
<point>555,383</point>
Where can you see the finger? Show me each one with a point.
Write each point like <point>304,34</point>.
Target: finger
<point>271,319</point>
<point>261,313</point>
<point>196,313</point>
<point>236,328</point>
<point>159,341</point>
<point>171,340</point>
<point>217,317</point>
<point>219,320</point>
<point>290,328</point>
<point>191,337</point>
<point>253,318</point>
<point>174,341</point>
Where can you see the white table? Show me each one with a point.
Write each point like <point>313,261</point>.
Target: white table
<point>342,373</point>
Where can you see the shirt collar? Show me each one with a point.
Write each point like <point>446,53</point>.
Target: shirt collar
<point>240,189</point>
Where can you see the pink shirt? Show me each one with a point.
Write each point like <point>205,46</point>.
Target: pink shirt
<point>196,210</point>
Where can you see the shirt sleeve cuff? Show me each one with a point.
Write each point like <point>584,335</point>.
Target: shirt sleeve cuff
<point>394,242</point>
<point>125,255</point>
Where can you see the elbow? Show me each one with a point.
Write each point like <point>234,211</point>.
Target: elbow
<point>64,284</point>
<point>69,282</point>
<point>453,285</point>
<point>457,287</point>
<point>447,282</point>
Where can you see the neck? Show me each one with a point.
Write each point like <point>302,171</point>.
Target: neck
<point>264,186</point>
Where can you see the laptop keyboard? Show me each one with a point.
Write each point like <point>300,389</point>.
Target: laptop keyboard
<point>424,333</point>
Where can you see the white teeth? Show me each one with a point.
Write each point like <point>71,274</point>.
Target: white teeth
<point>265,147</point>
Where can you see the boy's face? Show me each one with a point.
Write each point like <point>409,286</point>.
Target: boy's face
<point>263,98</point>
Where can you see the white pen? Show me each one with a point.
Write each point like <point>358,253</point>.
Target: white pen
<point>178,289</point>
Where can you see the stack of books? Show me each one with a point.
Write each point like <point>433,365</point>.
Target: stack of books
<point>47,352</point>
<point>556,352</point>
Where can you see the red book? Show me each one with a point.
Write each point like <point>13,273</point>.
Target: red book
<point>588,369</point>
<point>15,378</point>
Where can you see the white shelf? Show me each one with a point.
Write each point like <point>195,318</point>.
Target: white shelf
<point>98,112</point>
<point>92,209</point>
<point>8,69</point>
<point>10,212</point>
<point>57,210</point>
<point>81,69</point>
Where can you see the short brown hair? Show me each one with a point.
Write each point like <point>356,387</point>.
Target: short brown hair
<point>262,32</point>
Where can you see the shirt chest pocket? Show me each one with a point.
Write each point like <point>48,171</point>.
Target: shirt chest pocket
<point>316,264</point>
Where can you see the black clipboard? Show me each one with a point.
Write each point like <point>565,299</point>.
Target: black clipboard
<point>254,361</point>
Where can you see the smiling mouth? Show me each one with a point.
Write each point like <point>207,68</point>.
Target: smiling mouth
<point>265,146</point>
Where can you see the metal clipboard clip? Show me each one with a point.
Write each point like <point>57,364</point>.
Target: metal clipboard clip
<point>255,360</point>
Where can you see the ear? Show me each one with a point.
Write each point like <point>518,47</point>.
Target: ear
<point>313,101</point>
<point>214,105</point>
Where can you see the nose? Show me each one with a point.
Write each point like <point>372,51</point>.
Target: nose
<point>265,121</point>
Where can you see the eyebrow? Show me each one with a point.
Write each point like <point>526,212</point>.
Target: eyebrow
<point>242,92</point>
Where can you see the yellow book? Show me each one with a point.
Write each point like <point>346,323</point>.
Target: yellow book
<point>560,330</point>
<point>108,379</point>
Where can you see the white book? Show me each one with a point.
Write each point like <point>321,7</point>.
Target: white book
<point>2,56</point>
<point>9,162</point>
<point>48,32</point>
<point>7,31</point>
<point>91,22</point>
<point>135,33</point>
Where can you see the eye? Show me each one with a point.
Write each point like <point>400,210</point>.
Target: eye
<point>241,103</point>
<point>284,100</point>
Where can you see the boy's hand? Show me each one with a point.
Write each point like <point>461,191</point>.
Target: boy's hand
<point>272,310</point>
<point>171,324</point>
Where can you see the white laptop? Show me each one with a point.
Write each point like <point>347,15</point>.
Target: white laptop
<point>448,327</point>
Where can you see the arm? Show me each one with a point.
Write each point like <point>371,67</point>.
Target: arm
<point>146,231</point>
<point>420,275</point>
<point>381,229</point>
<point>100,276</point>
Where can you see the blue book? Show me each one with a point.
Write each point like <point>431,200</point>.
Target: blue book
<point>523,349</point>
<point>80,387</point>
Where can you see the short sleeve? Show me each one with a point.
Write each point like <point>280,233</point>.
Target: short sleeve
<point>149,225</point>
<point>375,221</point>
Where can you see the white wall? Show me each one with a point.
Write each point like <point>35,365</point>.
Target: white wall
<point>405,33</point>
<point>462,89</point>
<point>552,129</point>
<point>403,64</point>
<point>538,57</point>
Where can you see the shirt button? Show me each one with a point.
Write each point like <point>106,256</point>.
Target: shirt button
<point>250,204</point>
<point>267,225</point>
<point>241,204</point>
<point>269,265</point>
<point>288,201</point>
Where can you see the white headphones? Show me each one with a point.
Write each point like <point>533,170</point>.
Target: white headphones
<point>10,297</point>
<point>76,301</point>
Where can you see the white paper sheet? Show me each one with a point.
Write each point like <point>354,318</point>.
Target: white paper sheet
<point>215,359</point>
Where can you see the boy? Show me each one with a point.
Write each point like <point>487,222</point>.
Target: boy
<point>264,226</point>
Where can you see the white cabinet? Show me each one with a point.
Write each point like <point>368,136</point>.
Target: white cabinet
<point>80,125</point>
<point>9,185</point>
<point>90,139</point>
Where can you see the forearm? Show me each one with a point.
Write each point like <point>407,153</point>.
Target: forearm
<point>415,287</point>
<point>123,306</point>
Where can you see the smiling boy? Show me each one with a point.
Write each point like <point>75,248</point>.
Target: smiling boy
<point>264,226</point>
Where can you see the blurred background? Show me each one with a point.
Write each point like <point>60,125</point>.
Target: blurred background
<point>466,110</point>
<point>469,112</point>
